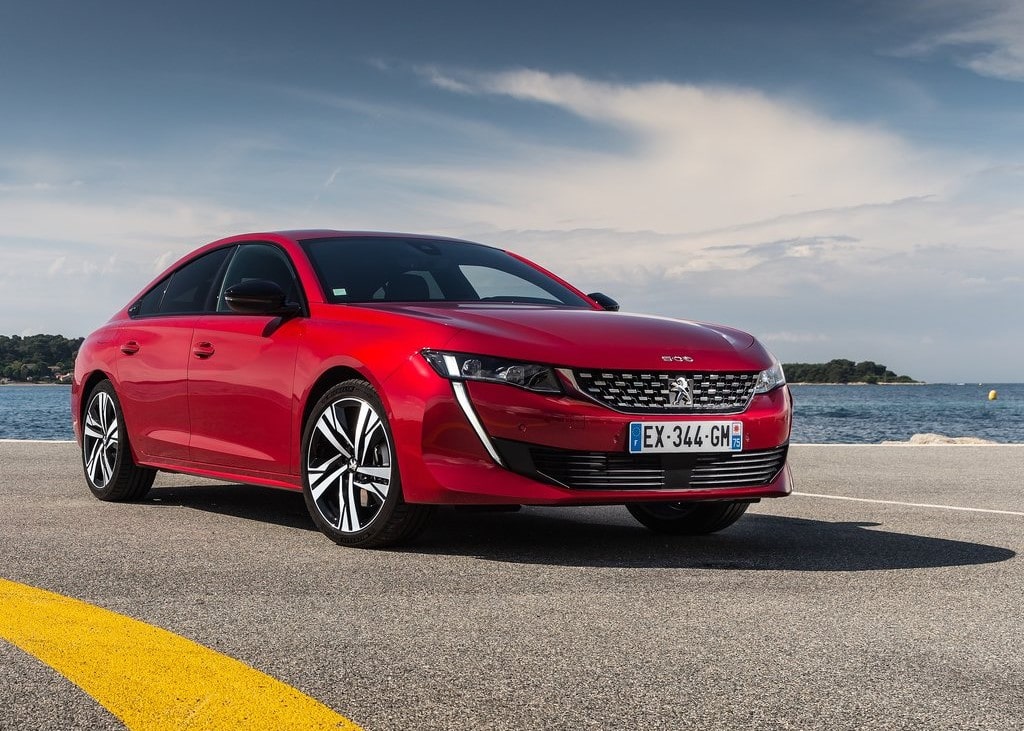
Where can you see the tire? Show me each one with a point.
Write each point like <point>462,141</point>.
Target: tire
<point>350,477</point>
<point>687,518</point>
<point>110,471</point>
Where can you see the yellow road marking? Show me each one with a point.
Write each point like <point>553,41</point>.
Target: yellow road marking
<point>149,678</point>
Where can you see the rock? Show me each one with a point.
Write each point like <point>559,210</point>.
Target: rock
<point>926,439</point>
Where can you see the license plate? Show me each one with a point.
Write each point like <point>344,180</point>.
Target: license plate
<point>653,437</point>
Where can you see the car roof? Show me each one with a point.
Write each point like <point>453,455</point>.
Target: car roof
<point>327,233</point>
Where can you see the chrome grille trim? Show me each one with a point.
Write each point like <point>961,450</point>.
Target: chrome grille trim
<point>647,392</point>
<point>750,468</point>
<point>622,471</point>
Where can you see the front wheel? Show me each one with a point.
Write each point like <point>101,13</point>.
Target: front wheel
<point>687,519</point>
<point>350,477</point>
<point>110,471</point>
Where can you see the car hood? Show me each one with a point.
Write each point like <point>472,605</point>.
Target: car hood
<point>592,338</point>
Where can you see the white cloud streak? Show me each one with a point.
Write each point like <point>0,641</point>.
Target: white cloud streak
<point>696,158</point>
<point>990,42</point>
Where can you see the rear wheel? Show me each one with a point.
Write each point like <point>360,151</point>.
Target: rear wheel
<point>691,518</point>
<point>110,471</point>
<point>350,477</point>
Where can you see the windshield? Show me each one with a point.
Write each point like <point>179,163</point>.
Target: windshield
<point>396,269</point>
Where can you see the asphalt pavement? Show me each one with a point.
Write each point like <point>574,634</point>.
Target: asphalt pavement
<point>810,613</point>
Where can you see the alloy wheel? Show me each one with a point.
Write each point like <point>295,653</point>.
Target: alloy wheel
<point>349,464</point>
<point>100,440</point>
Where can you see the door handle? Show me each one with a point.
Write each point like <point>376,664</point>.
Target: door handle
<point>130,348</point>
<point>203,350</point>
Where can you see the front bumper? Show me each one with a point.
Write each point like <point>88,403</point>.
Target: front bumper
<point>534,449</point>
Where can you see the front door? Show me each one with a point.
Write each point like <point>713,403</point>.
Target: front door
<point>241,374</point>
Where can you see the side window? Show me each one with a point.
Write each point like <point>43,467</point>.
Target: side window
<point>191,287</point>
<point>149,304</point>
<point>259,261</point>
<point>188,290</point>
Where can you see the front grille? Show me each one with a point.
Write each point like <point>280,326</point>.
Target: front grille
<point>638,392</point>
<point>739,468</point>
<point>599,469</point>
<point>623,471</point>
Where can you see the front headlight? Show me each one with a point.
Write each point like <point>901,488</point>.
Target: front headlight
<point>770,378</point>
<point>464,366</point>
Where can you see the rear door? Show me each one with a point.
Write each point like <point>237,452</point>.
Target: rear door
<point>241,372</point>
<point>152,365</point>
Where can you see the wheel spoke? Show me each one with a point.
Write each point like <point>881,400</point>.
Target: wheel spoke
<point>93,462</point>
<point>366,423</point>
<point>374,479</point>
<point>106,466</point>
<point>101,407</point>
<point>111,414</point>
<point>327,425</point>
<point>92,427</point>
<point>347,502</point>
<point>320,480</point>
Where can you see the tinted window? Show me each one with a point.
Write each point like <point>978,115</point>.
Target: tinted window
<point>382,269</point>
<point>149,304</point>
<point>259,261</point>
<point>188,290</point>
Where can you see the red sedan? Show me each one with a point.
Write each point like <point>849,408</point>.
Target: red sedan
<point>384,374</point>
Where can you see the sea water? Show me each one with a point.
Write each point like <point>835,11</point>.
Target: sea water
<point>821,414</point>
<point>872,414</point>
<point>35,412</point>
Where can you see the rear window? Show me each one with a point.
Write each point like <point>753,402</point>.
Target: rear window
<point>396,269</point>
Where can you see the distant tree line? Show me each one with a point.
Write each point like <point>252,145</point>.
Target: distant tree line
<point>37,357</point>
<point>842,371</point>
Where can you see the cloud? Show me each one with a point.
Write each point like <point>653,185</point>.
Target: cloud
<point>57,266</point>
<point>796,337</point>
<point>441,80</point>
<point>826,237</point>
<point>691,158</point>
<point>991,43</point>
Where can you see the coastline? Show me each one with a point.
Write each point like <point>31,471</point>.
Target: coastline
<point>857,383</point>
<point>967,384</point>
<point>26,383</point>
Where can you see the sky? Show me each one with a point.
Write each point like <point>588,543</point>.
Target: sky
<point>841,179</point>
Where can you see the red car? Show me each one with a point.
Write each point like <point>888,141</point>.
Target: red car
<point>384,374</point>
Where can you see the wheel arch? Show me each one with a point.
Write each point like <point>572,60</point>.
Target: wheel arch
<point>328,378</point>
<point>90,382</point>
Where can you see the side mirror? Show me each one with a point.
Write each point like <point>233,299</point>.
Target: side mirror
<point>258,297</point>
<point>606,302</point>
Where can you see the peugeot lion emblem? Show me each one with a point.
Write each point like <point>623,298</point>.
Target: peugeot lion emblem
<point>680,393</point>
